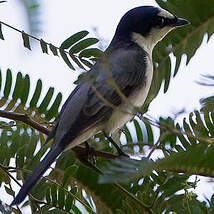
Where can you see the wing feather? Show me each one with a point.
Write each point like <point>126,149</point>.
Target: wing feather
<point>84,108</point>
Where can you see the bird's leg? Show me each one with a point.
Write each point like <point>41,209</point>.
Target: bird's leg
<point>83,157</point>
<point>120,152</point>
<point>88,151</point>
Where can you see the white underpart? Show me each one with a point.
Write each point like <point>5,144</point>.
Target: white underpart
<point>127,111</point>
<point>149,42</point>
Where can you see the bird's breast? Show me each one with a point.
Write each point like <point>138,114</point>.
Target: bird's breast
<point>126,111</point>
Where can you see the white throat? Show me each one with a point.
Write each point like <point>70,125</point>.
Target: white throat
<point>149,42</point>
<point>145,43</point>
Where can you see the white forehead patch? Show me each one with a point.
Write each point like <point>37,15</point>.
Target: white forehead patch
<point>165,13</point>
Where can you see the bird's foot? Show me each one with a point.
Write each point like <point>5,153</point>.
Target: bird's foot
<point>119,150</point>
<point>86,157</point>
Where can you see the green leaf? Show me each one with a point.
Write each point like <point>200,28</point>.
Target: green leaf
<point>8,83</point>
<point>18,86</point>
<point>174,184</point>
<point>73,39</point>
<point>53,111</point>
<point>127,134</point>
<point>43,106</point>
<point>82,45</point>
<point>61,198</point>
<point>201,126</point>
<point>65,58</point>
<point>1,34</point>
<point>71,170</point>
<point>189,131</point>
<point>149,134</point>
<point>68,202</point>
<point>3,175</point>
<point>20,156</point>
<point>11,97</point>
<point>87,63</point>
<point>48,195</point>
<point>76,60</point>
<point>197,160</point>
<point>91,52</point>
<point>209,123</point>
<point>182,139</point>
<point>32,146</point>
<point>9,191</point>
<point>53,49</point>
<point>76,209</point>
<point>36,95</point>
<point>25,89</point>
<point>167,68</point>
<point>177,64</point>
<point>44,46</point>
<point>26,40</point>
<point>124,170</point>
<point>138,131</point>
<point>54,194</point>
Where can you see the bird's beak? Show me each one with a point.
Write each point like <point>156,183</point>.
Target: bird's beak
<point>180,22</point>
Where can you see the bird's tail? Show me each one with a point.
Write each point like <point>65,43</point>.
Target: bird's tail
<point>37,173</point>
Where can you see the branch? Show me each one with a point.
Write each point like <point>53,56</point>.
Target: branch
<point>77,149</point>
<point>33,37</point>
<point>73,56</point>
<point>27,120</point>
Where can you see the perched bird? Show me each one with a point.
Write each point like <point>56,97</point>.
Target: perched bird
<point>97,103</point>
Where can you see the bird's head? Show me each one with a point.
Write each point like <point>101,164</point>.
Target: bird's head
<point>146,25</point>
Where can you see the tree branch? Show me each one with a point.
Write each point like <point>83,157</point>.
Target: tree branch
<point>33,37</point>
<point>27,120</point>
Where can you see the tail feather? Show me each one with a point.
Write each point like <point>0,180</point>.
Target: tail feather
<point>37,173</point>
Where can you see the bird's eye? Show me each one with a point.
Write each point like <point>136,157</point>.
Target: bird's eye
<point>161,22</point>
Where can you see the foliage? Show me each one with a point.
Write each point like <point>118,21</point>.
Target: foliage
<point>207,103</point>
<point>185,40</point>
<point>195,143</point>
<point>18,100</point>
<point>191,153</point>
<point>158,185</point>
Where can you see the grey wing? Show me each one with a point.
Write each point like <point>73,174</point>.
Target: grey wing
<point>70,112</point>
<point>85,108</point>
<point>54,129</point>
<point>126,70</point>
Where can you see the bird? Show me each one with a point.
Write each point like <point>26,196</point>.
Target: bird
<point>108,95</point>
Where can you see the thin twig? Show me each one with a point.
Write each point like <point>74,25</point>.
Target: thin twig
<point>25,119</point>
<point>35,38</point>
